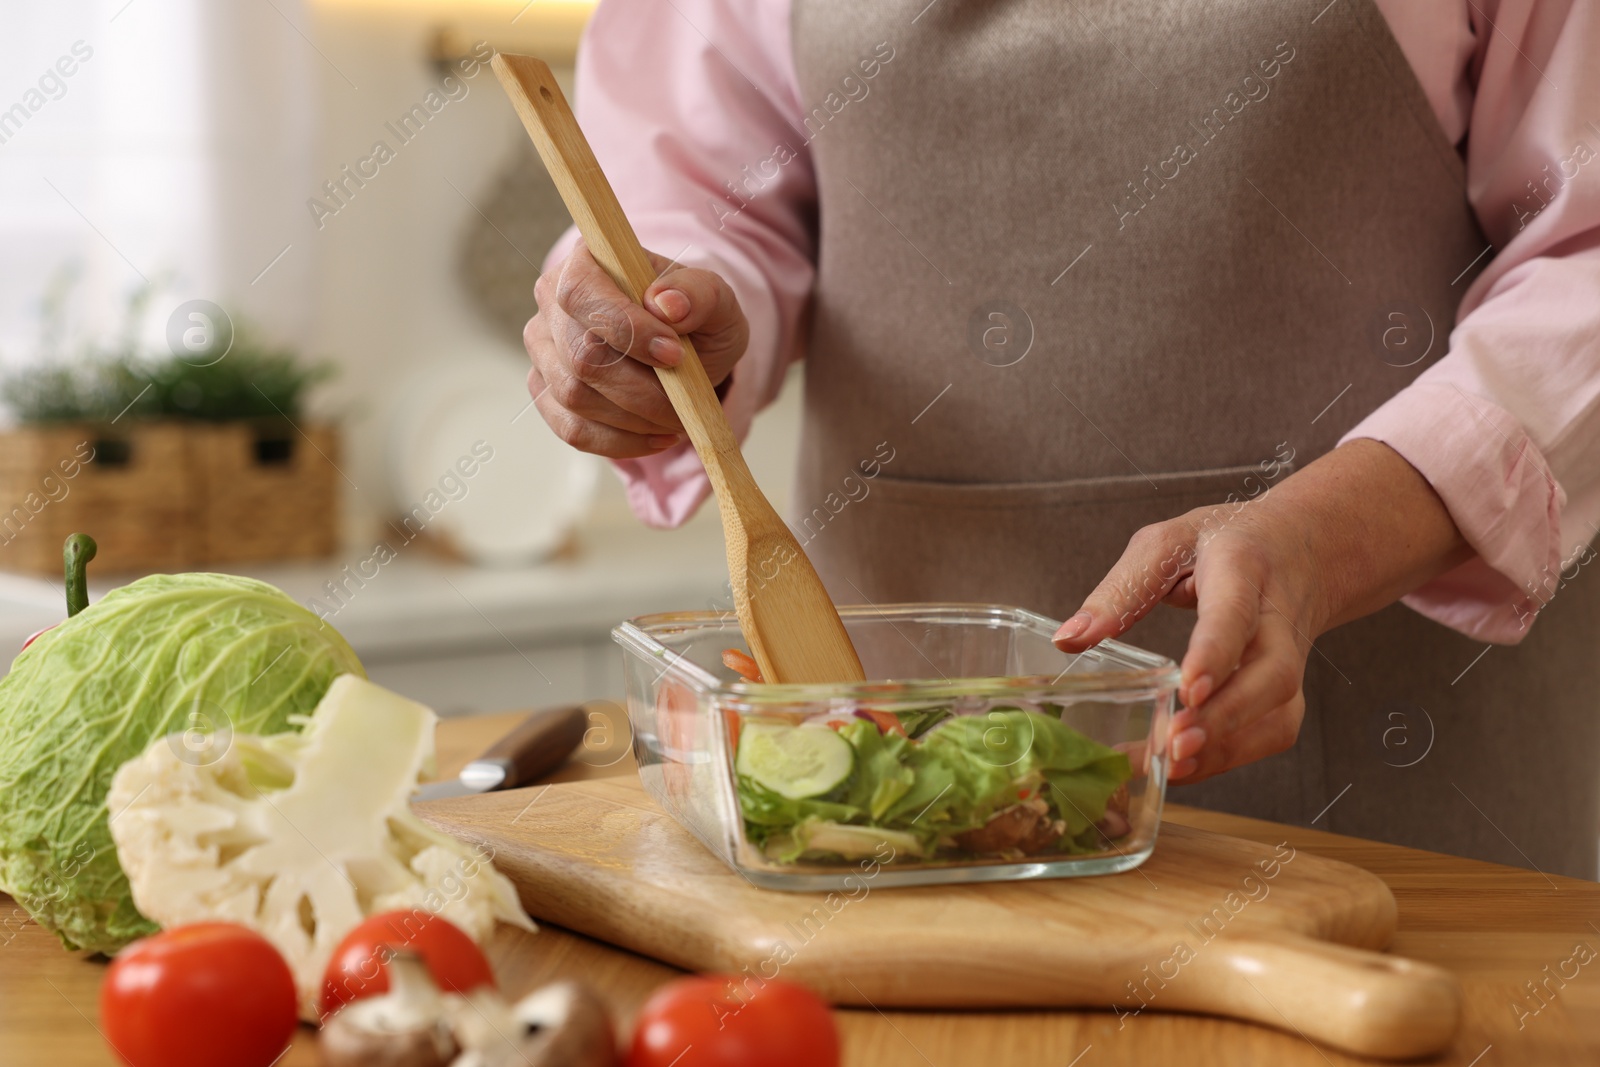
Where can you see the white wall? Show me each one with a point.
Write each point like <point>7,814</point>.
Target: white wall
<point>163,158</point>
<point>387,295</point>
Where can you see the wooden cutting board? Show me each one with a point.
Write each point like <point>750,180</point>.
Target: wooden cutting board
<point>1209,924</point>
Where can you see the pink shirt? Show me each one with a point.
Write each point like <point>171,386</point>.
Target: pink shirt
<point>679,97</point>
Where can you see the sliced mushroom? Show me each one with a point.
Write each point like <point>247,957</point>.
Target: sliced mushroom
<point>1022,827</point>
<point>1113,826</point>
<point>405,1027</point>
<point>1118,800</point>
<point>1047,833</point>
<point>560,1025</point>
<point>1116,823</point>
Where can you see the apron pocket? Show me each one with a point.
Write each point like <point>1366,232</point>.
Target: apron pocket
<point>1215,485</point>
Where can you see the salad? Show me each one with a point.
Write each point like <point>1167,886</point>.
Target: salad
<point>929,784</point>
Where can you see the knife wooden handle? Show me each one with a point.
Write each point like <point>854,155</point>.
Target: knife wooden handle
<point>540,744</point>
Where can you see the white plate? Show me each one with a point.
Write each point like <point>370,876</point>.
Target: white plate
<point>472,462</point>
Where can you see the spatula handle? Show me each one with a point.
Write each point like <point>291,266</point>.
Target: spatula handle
<point>1364,1002</point>
<point>588,195</point>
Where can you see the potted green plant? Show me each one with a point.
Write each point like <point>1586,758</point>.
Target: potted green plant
<point>172,460</point>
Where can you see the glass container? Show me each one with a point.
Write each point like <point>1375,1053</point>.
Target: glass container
<point>976,751</point>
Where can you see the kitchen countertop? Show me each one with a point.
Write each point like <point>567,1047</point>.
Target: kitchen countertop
<point>1497,927</point>
<point>422,602</point>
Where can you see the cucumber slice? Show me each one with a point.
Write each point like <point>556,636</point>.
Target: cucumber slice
<point>857,842</point>
<point>794,761</point>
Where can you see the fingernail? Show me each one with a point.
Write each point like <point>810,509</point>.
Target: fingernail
<point>1187,744</point>
<point>659,441</point>
<point>673,303</point>
<point>1183,768</point>
<point>1074,626</point>
<point>1200,690</point>
<point>666,351</point>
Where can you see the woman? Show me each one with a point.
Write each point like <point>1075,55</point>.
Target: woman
<point>1304,298</point>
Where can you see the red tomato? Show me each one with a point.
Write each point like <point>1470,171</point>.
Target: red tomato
<point>677,719</point>
<point>204,995</point>
<point>357,967</point>
<point>730,1020</point>
<point>36,635</point>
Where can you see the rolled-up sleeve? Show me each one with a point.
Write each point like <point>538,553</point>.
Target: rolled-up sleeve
<point>692,110</point>
<point>1506,426</point>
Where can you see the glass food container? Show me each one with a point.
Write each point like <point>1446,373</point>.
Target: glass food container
<point>978,751</point>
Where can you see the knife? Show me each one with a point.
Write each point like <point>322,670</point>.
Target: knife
<point>539,744</point>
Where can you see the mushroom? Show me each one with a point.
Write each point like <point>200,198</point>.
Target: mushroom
<point>1113,826</point>
<point>1023,827</point>
<point>1118,800</point>
<point>405,1027</point>
<point>1115,823</point>
<point>559,1025</point>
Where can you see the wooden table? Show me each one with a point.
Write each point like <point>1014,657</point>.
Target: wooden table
<point>1499,928</point>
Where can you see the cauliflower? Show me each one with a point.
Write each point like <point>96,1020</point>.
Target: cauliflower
<point>301,836</point>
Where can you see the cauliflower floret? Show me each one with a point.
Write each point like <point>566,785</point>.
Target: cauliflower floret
<point>301,836</point>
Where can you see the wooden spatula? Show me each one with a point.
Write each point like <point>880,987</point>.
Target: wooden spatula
<point>788,620</point>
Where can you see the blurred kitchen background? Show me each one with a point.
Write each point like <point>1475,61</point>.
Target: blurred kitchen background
<point>295,355</point>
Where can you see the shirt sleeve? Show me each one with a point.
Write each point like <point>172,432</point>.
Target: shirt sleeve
<point>692,109</point>
<point>1506,426</point>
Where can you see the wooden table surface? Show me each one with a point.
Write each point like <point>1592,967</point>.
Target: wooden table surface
<point>1505,931</point>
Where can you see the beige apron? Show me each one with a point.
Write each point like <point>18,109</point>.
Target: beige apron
<point>1085,265</point>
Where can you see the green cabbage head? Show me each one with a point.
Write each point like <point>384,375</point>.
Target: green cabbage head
<point>189,655</point>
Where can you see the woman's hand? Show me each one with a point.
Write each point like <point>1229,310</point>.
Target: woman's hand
<point>594,351</point>
<point>1347,535</point>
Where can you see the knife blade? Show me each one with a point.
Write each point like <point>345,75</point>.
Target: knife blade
<point>539,744</point>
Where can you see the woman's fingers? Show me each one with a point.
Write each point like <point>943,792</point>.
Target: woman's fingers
<point>1156,559</point>
<point>1242,675</point>
<point>1186,738</point>
<point>595,352</point>
<point>588,402</point>
<point>1182,594</point>
<point>1227,591</point>
<point>583,370</point>
<point>701,303</point>
<point>1224,732</point>
<point>692,300</point>
<point>589,435</point>
<point>1270,675</point>
<point>1269,735</point>
<point>586,294</point>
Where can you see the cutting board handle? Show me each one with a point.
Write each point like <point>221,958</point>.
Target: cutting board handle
<point>1364,1002</point>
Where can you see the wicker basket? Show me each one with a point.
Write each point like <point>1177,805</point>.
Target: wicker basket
<point>266,492</point>
<point>167,496</point>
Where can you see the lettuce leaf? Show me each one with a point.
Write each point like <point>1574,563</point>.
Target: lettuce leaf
<point>953,779</point>
<point>1081,773</point>
<point>883,774</point>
